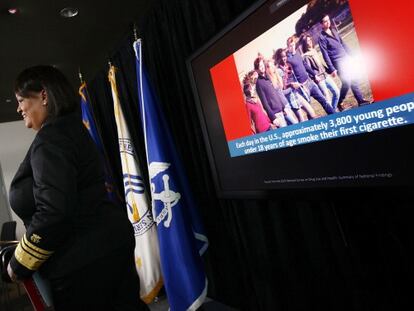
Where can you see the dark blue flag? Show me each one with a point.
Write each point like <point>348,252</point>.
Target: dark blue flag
<point>180,233</point>
<point>89,123</point>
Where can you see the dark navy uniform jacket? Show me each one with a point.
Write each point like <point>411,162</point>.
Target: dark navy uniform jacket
<point>59,193</point>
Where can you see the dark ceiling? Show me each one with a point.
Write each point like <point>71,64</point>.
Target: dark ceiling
<point>37,34</point>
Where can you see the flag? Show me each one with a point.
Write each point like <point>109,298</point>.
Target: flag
<point>87,116</point>
<point>180,234</point>
<point>89,122</point>
<point>147,257</point>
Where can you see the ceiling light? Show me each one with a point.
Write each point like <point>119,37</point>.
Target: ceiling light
<point>68,12</point>
<point>12,11</point>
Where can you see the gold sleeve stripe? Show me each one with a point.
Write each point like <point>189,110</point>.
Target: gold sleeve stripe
<point>35,248</point>
<point>26,259</point>
<point>33,253</point>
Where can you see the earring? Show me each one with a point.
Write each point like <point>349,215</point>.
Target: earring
<point>44,104</point>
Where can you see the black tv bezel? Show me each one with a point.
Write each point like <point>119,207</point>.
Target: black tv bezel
<point>329,191</point>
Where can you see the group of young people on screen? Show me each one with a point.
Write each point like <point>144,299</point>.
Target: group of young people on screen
<point>278,91</point>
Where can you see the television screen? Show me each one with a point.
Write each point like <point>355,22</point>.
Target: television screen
<point>309,94</point>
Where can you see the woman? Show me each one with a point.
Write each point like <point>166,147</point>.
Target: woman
<point>75,237</point>
<point>292,112</point>
<point>277,83</point>
<point>258,117</point>
<point>250,77</point>
<point>324,81</point>
<point>297,96</point>
<point>273,101</point>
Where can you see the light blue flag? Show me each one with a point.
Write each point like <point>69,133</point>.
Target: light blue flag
<point>89,122</point>
<point>180,233</point>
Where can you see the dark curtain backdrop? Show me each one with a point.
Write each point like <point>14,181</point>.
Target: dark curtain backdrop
<point>349,253</point>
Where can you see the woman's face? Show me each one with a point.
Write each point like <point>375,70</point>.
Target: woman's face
<point>309,42</point>
<point>261,67</point>
<point>271,66</point>
<point>33,109</point>
<point>292,46</point>
<point>284,57</point>
<point>254,77</point>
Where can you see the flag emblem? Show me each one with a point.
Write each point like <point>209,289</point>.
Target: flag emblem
<point>168,197</point>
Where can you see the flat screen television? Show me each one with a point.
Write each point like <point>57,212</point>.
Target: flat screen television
<point>306,94</point>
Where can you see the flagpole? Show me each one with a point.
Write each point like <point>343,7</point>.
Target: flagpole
<point>138,54</point>
<point>135,32</point>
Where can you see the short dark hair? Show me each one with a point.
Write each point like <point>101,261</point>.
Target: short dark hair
<point>61,95</point>
<point>323,16</point>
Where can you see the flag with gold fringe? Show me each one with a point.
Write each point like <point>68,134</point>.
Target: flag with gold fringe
<point>139,212</point>
<point>180,232</point>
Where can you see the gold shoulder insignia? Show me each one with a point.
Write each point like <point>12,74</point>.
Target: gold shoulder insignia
<point>35,238</point>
